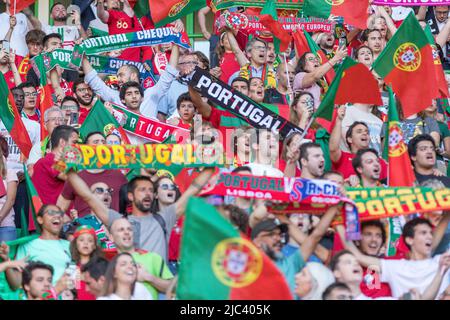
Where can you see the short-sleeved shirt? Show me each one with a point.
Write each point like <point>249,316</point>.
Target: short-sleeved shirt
<point>113,178</point>
<point>46,181</point>
<point>155,265</point>
<point>424,177</point>
<point>344,165</point>
<point>147,232</point>
<point>403,275</point>
<point>18,36</point>
<point>120,22</point>
<point>229,66</point>
<point>53,252</point>
<point>314,89</point>
<point>414,127</point>
<point>8,221</point>
<point>290,266</point>
<point>68,34</point>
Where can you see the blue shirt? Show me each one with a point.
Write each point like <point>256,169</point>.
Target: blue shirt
<point>290,266</point>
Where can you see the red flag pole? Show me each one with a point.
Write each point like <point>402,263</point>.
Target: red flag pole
<point>15,5</point>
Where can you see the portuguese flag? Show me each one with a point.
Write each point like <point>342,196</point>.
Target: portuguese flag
<point>19,5</point>
<point>304,43</point>
<point>35,201</point>
<point>407,65</point>
<point>400,169</point>
<point>354,12</point>
<point>440,77</point>
<point>12,120</point>
<point>220,264</point>
<point>100,119</point>
<point>269,18</point>
<point>163,12</point>
<point>354,83</point>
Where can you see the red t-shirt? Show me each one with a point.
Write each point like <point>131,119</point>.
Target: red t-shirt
<point>282,166</point>
<point>45,179</point>
<point>376,288</point>
<point>229,65</point>
<point>120,22</point>
<point>34,117</point>
<point>9,78</point>
<point>83,114</point>
<point>113,178</point>
<point>344,166</point>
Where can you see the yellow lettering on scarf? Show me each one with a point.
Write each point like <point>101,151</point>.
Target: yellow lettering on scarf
<point>409,201</point>
<point>443,197</point>
<point>375,207</point>
<point>162,153</point>
<point>393,205</point>
<point>177,154</point>
<point>88,153</point>
<point>427,204</point>
<point>386,192</point>
<point>103,154</point>
<point>119,154</point>
<point>146,152</point>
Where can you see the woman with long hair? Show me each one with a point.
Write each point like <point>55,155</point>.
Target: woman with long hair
<point>121,280</point>
<point>8,191</point>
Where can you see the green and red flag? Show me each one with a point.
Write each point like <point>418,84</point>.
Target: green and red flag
<point>400,172</point>
<point>35,201</point>
<point>354,12</point>
<point>163,12</point>
<point>100,119</point>
<point>19,5</point>
<point>269,18</point>
<point>220,264</point>
<point>12,120</point>
<point>354,83</point>
<point>407,65</point>
<point>440,76</point>
<point>304,43</point>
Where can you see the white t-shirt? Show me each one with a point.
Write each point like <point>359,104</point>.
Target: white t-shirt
<point>264,170</point>
<point>403,275</point>
<point>9,219</point>
<point>140,293</point>
<point>34,131</point>
<point>355,113</point>
<point>68,33</point>
<point>18,36</point>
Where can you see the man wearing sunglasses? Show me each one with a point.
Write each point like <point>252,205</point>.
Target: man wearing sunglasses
<point>48,247</point>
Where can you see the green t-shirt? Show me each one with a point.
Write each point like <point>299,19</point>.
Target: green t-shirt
<point>155,265</point>
<point>53,252</point>
<point>290,266</point>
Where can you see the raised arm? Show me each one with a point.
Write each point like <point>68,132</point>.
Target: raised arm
<point>201,15</point>
<point>335,137</point>
<point>389,22</point>
<point>195,187</point>
<point>35,22</point>
<point>442,37</point>
<point>12,24</point>
<point>203,107</point>
<point>432,290</point>
<point>422,13</point>
<point>13,67</point>
<point>240,56</point>
<point>102,14</point>
<point>83,191</point>
<point>363,259</point>
<point>9,200</point>
<point>312,77</point>
<point>440,230</point>
<point>127,8</point>
<point>310,243</point>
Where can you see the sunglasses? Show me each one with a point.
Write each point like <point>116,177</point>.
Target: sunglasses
<point>167,186</point>
<point>54,213</point>
<point>100,190</point>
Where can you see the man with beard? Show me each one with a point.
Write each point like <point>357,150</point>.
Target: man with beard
<point>357,138</point>
<point>282,94</point>
<point>69,33</point>
<point>269,236</point>
<point>19,98</point>
<point>150,233</point>
<point>85,97</point>
<point>48,248</point>
<point>326,43</point>
<point>312,161</point>
<point>8,66</point>
<point>366,164</point>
